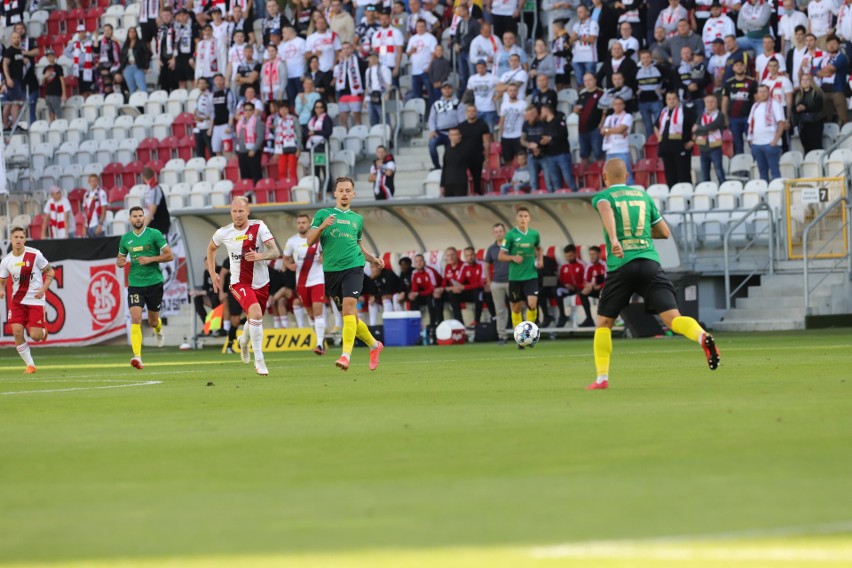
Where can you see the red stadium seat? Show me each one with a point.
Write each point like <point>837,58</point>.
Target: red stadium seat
<point>36,226</point>
<point>132,174</point>
<point>651,145</point>
<point>167,149</point>
<point>588,190</point>
<point>232,170</point>
<point>72,86</point>
<point>80,223</point>
<point>116,197</point>
<point>564,190</point>
<point>283,187</point>
<point>241,187</point>
<point>56,23</point>
<point>592,176</point>
<point>727,143</point>
<point>147,150</point>
<point>264,191</point>
<point>76,197</point>
<point>112,175</point>
<point>73,19</point>
<point>155,165</point>
<point>93,19</point>
<point>538,192</point>
<point>644,171</point>
<point>183,125</point>
<point>269,167</point>
<point>551,252</point>
<point>660,175</point>
<point>186,148</point>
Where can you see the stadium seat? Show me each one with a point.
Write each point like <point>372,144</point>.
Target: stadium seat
<point>342,163</point>
<point>355,141</point>
<point>838,162</point>
<point>176,102</point>
<point>92,107</point>
<point>102,129</point>
<point>56,132</point>
<point>183,125</point>
<point>87,153</point>
<point>194,170</point>
<point>70,177</point>
<point>130,17</point>
<point>38,132</point>
<point>651,146</point>
<point>76,197</point>
<point>132,174</point>
<point>143,127</point>
<point>162,127</point>
<point>172,173</point>
<point>192,100</point>
<point>116,197</point>
<point>660,174</point>
<point>112,16</point>
<point>812,164</point>
<point>758,186</point>
<point>282,189</point>
<point>790,163</point>
<point>42,156</point>
<point>232,170</point>
<point>126,151</point>
<point>830,133</point>
<point>741,166</point>
<point>185,148</point>
<point>78,130</point>
<point>56,22</point>
<point>379,135</point>
<point>167,149</point>
<point>432,184</point>
<point>177,195</point>
<point>155,165</point>
<point>122,127</point>
<point>155,105</point>
<point>215,169</point>
<point>112,175</point>
<point>592,175</point>
<point>242,187</point>
<point>264,191</point>
<point>135,196</point>
<point>120,222</point>
<point>66,154</point>
<point>221,194</point>
<point>147,149</point>
<point>199,196</point>
<point>105,152</point>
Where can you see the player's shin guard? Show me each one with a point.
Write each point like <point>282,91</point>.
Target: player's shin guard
<point>319,328</point>
<point>26,355</point>
<point>299,313</point>
<point>256,337</point>
<point>687,327</point>
<point>517,318</point>
<point>363,333</point>
<point>532,314</point>
<point>603,350</point>
<point>350,325</point>
<point>136,339</point>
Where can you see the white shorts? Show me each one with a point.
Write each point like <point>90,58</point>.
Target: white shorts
<point>219,135</point>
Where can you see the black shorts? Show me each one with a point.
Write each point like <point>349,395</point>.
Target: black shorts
<point>642,276</point>
<point>183,70</point>
<point>344,284</point>
<point>145,296</point>
<point>562,78</point>
<point>276,281</point>
<point>520,290</point>
<point>509,148</point>
<point>288,279</point>
<point>234,307</point>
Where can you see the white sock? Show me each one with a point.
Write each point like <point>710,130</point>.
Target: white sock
<point>226,325</point>
<point>285,322</point>
<point>319,328</point>
<point>24,352</point>
<point>397,306</point>
<point>338,319</point>
<point>256,334</point>
<point>299,312</point>
<point>374,314</point>
<point>601,379</point>
<point>387,305</point>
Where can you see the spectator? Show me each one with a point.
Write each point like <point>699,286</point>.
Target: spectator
<point>58,216</point>
<point>485,47</point>
<point>515,74</point>
<point>507,50</point>
<point>341,22</point>
<point>780,91</point>
<point>349,85</point>
<point>203,116</point>
<point>239,23</point>
<point>557,150</point>
<point>382,173</point>
<point>561,50</point>
<point>768,55</point>
<point>418,13</point>
<point>497,281</point>
<point>584,37</point>
<point>319,130</point>
<point>444,116</point>
<point>224,108</point>
<point>616,131</point>
<point>292,51</point>
<point>305,101</point>
<point>381,286</point>
<point>476,142</point>
<point>708,136</point>
<point>109,59</point>
<point>454,172</point>
<point>288,143</point>
<point>657,47</point>
<point>378,83</point>
<point>367,26</point>
<point>796,54</point>
<point>618,63</point>
<point>439,72</point>
<point>717,26</point>
<point>684,37</point>
<point>595,276</point>
<point>753,21</point>
<point>833,72</point>
<point>470,287</point>
<point>236,57</point>
<point>650,91</point>
<point>95,206</point>
<point>821,16</point>
<point>420,50</point>
<point>248,72</point>
<point>590,116</point>
<point>670,18</point>
<point>531,135</point>
<point>222,31</point>
<point>511,123</point>
<point>135,59</point>
<point>691,79</point>
<point>322,82</point>
<point>251,96</point>
<point>274,20</point>
<point>31,53</point>
<point>766,126</point>
<point>206,55</point>
<point>185,35</point>
<point>557,11</point>
<point>81,49</point>
<point>620,90</point>
<point>467,29</point>
<point>424,280</point>
<point>270,126</point>
<point>149,9</point>
<point>399,18</point>
<point>388,42</point>
<point>505,15</point>
<point>54,86</point>
<point>607,19</point>
<point>248,142</point>
<point>572,281</point>
<point>543,94</point>
<point>450,280</point>
<point>629,43</point>
<point>812,57</point>
<point>324,44</point>
<point>789,20</point>
<point>674,131</point>
<point>520,181</point>
<point>716,64</point>
<point>808,114</point>
<point>737,97</point>
<point>154,201</point>
<point>700,14</point>
<point>484,88</point>
<point>547,285</point>
<point>406,271</point>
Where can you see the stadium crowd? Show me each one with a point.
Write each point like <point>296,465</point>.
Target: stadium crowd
<point>702,77</point>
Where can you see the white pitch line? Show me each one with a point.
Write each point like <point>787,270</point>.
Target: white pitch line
<point>127,385</point>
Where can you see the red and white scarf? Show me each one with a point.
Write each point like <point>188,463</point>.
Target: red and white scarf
<point>206,58</point>
<point>676,124</point>
<point>249,129</point>
<point>285,133</point>
<point>315,124</point>
<point>349,69</point>
<point>94,206</point>
<point>10,7</point>
<point>84,49</point>
<point>768,116</point>
<point>270,81</point>
<point>150,10</point>
<point>714,137</point>
<point>58,229</point>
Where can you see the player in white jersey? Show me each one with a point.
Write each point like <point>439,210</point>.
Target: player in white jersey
<point>31,277</point>
<point>306,262</point>
<point>249,273</point>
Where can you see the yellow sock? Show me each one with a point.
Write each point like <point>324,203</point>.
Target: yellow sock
<point>532,314</point>
<point>350,323</point>
<point>517,318</point>
<point>159,327</point>
<point>687,327</point>
<point>362,332</point>
<point>603,350</point>
<point>136,339</point>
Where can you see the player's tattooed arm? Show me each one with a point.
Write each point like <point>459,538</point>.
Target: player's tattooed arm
<point>48,278</point>
<point>271,252</point>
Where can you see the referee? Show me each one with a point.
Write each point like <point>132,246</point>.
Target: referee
<point>144,248</point>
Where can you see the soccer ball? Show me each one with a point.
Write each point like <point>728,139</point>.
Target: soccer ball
<point>527,334</point>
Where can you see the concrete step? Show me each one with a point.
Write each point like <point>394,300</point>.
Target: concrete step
<point>758,325</point>
<point>772,302</point>
<point>740,314</point>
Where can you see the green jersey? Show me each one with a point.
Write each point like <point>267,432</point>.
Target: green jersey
<point>150,242</point>
<point>635,214</point>
<point>524,244</point>
<point>341,241</point>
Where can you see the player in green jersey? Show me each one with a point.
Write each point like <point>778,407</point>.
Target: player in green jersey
<point>522,249</point>
<point>144,248</point>
<point>631,221</point>
<point>339,231</point>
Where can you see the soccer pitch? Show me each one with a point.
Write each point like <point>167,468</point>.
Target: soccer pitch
<point>474,455</point>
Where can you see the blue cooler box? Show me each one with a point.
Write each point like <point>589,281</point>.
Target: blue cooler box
<point>401,328</point>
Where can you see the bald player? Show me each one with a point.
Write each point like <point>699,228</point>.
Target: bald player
<point>631,221</point>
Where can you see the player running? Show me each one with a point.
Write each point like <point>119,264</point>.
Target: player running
<point>249,273</point>
<point>306,262</point>
<point>522,249</point>
<point>631,222</point>
<point>147,248</point>
<point>31,277</point>
<point>338,230</point>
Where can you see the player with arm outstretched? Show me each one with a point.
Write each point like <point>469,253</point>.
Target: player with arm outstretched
<point>631,221</point>
<point>243,239</point>
<point>146,248</point>
<point>522,249</point>
<point>339,230</point>
<point>306,262</point>
<point>31,276</point>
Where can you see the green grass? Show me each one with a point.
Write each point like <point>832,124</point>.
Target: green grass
<point>472,455</point>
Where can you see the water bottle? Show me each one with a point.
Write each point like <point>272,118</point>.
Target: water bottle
<point>425,335</point>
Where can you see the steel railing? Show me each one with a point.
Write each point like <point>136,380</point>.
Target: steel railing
<point>770,228</point>
<point>805,242</point>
